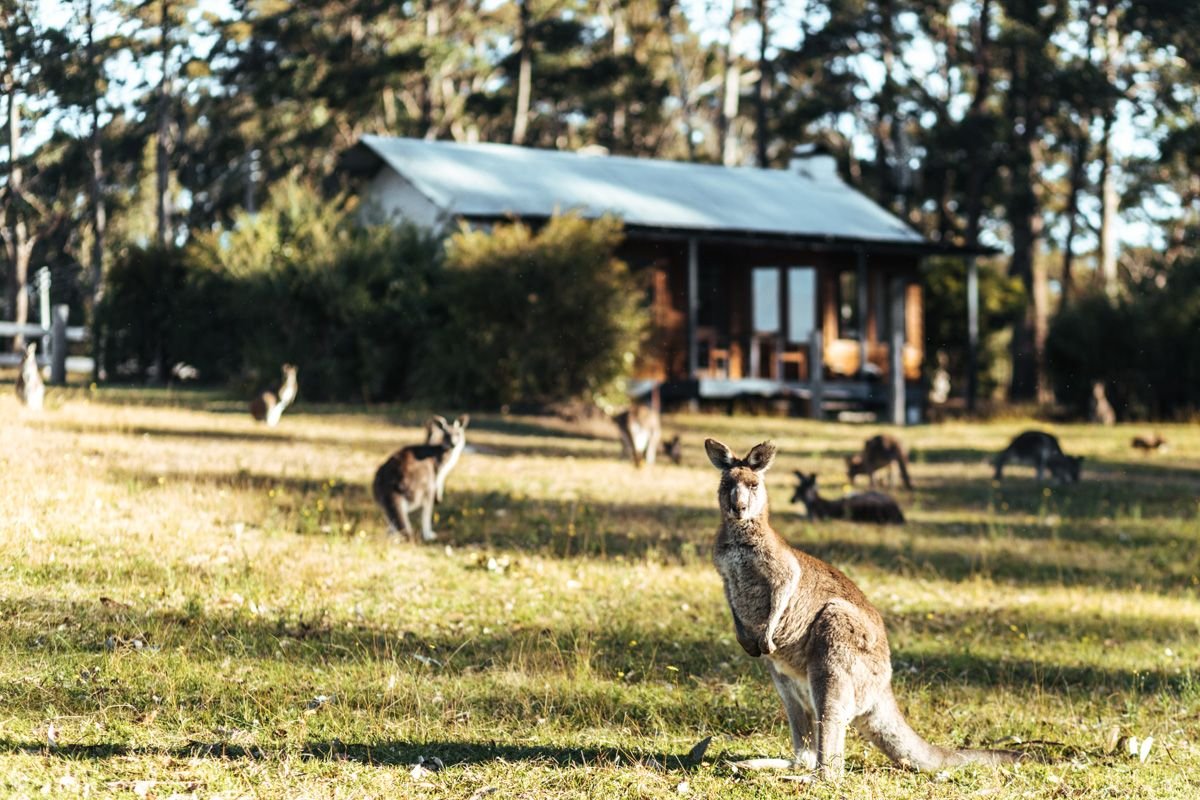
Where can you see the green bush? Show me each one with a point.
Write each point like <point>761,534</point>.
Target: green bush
<point>1145,347</point>
<point>536,317</point>
<point>370,312</point>
<point>297,282</point>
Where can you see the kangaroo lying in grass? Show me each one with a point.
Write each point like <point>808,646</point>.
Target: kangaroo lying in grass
<point>826,645</point>
<point>875,507</point>
<point>268,407</point>
<point>415,477</point>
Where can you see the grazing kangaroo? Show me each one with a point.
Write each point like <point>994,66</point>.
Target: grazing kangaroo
<point>415,477</point>
<point>269,406</point>
<point>875,507</point>
<point>1150,443</point>
<point>1041,450</point>
<point>826,645</point>
<point>878,452</point>
<point>641,437</point>
<point>31,389</point>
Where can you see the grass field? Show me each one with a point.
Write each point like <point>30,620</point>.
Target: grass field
<point>193,605</point>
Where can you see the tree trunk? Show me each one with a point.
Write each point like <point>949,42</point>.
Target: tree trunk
<point>886,135</point>
<point>1029,334</point>
<point>681,77</point>
<point>18,242</point>
<point>976,117</point>
<point>1108,182</point>
<point>732,95</point>
<point>620,47</point>
<point>760,88</point>
<point>524,75</point>
<point>1076,178</point>
<point>162,148</point>
<point>432,31</point>
<point>96,157</point>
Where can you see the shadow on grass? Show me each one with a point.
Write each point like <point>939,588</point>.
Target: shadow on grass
<point>678,653</point>
<point>1128,555</point>
<point>387,753</point>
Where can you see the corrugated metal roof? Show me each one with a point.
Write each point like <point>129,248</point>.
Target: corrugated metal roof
<point>495,180</point>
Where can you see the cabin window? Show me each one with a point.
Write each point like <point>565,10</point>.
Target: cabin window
<point>802,303</point>
<point>766,300</point>
<point>847,304</point>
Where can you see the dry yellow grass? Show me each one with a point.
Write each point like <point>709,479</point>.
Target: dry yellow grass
<point>210,607</point>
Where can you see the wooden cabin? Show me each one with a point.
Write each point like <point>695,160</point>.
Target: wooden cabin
<point>784,283</point>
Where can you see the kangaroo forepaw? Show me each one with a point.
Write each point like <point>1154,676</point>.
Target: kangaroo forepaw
<point>768,646</point>
<point>751,647</point>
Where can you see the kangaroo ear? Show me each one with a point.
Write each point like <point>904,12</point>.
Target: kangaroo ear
<point>721,456</point>
<point>761,457</point>
<point>463,421</point>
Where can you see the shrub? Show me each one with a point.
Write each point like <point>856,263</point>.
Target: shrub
<point>535,317</point>
<point>297,282</point>
<point>1144,347</point>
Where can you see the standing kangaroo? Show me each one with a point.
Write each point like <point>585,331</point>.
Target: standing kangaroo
<point>1042,451</point>
<point>826,645</point>
<point>415,477</point>
<point>269,406</point>
<point>31,390</point>
<point>878,452</point>
<point>641,437</point>
<point>875,507</point>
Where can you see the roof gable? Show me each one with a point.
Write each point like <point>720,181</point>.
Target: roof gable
<point>494,180</point>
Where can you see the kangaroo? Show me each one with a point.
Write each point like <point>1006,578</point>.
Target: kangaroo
<point>878,452</point>
<point>875,507</point>
<point>1150,443</point>
<point>415,477</point>
<point>826,645</point>
<point>1042,451</point>
<point>269,406</point>
<point>31,390</point>
<point>641,432</point>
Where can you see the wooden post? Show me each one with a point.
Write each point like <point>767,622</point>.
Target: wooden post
<point>42,280</point>
<point>693,305</point>
<point>896,354</point>
<point>816,373</point>
<point>58,362</point>
<point>972,332</point>
<point>860,285</point>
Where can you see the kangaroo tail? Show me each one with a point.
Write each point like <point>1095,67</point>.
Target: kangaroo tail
<point>902,464</point>
<point>385,498</point>
<point>887,729</point>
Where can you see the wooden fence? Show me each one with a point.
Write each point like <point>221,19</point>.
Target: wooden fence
<point>53,344</point>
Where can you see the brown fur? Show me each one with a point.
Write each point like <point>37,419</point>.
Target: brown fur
<point>878,452</point>
<point>1149,443</point>
<point>640,429</point>
<point>269,406</point>
<point>826,644</point>
<point>415,477</point>
<point>874,507</point>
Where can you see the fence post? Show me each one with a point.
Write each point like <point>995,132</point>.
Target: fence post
<point>41,280</point>
<point>58,363</point>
